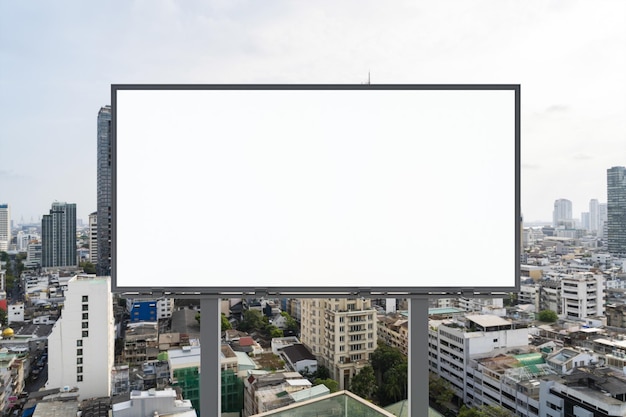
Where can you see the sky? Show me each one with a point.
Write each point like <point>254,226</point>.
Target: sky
<point>58,60</point>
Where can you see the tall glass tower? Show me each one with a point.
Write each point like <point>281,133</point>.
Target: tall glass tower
<point>58,236</point>
<point>103,268</point>
<point>616,210</point>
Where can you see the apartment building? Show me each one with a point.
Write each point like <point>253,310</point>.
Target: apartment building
<point>341,333</point>
<point>453,342</point>
<point>583,295</point>
<point>81,345</point>
<point>394,331</point>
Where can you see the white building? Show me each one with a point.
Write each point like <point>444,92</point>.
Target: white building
<point>93,238</point>
<point>583,295</point>
<point>5,227</point>
<point>453,342</point>
<point>33,255</point>
<point>15,313</point>
<point>165,306</point>
<point>154,403</point>
<point>81,345</point>
<point>341,333</point>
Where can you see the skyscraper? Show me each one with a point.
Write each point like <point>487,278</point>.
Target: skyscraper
<point>58,234</point>
<point>5,227</point>
<point>104,187</point>
<point>616,210</point>
<point>594,215</point>
<point>562,213</point>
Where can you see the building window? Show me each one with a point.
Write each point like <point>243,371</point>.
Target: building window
<point>79,378</point>
<point>85,298</point>
<point>79,352</point>
<point>85,316</point>
<point>85,307</point>
<point>79,361</point>
<point>79,369</point>
<point>85,333</point>
<point>79,342</point>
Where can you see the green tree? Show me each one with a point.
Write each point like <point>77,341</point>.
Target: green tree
<point>322,372</point>
<point>439,390</point>
<point>547,316</point>
<point>88,267</point>
<point>363,384</point>
<point>197,317</point>
<point>292,324</point>
<point>225,323</point>
<point>391,371</point>
<point>274,332</point>
<point>3,317</point>
<point>331,384</point>
<point>465,411</point>
<point>252,320</point>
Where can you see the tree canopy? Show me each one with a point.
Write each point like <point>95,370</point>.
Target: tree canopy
<point>548,316</point>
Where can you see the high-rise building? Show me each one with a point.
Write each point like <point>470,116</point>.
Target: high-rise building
<point>5,227</point>
<point>562,213</point>
<point>341,333</point>
<point>616,210</point>
<point>104,191</point>
<point>58,234</point>
<point>82,343</point>
<point>93,238</point>
<point>602,216</point>
<point>594,215</point>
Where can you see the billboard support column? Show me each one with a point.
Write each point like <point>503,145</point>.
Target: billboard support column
<point>418,356</point>
<point>210,343</point>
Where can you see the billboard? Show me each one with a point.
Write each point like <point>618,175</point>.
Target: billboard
<point>223,190</point>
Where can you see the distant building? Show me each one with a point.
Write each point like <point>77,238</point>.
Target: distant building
<point>58,231</point>
<point>104,185</point>
<point>562,213</point>
<point>5,227</point>
<point>616,210</point>
<point>33,255</point>
<point>81,345</point>
<point>93,238</point>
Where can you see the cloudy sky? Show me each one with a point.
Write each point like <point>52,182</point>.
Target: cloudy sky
<point>58,60</point>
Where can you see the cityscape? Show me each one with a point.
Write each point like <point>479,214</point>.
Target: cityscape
<point>556,348</point>
<point>70,345</point>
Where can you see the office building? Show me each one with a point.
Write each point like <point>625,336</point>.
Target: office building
<point>58,230</point>
<point>5,227</point>
<point>81,345</point>
<point>104,186</point>
<point>562,213</point>
<point>616,210</point>
<point>341,333</point>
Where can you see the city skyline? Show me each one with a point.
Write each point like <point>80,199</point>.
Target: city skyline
<point>61,60</point>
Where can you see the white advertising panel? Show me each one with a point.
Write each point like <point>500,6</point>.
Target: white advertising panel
<point>315,189</point>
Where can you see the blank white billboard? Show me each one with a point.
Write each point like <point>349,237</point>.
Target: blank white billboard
<point>312,189</point>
